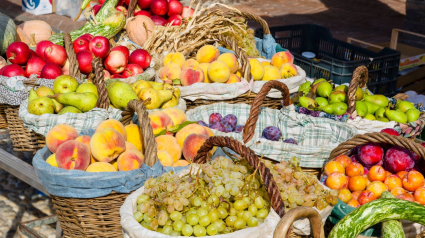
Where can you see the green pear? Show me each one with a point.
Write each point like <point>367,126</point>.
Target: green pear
<point>44,91</point>
<point>319,80</point>
<point>404,106</point>
<point>329,109</point>
<point>359,94</point>
<point>379,100</point>
<point>380,112</point>
<point>308,103</point>
<point>322,102</point>
<point>342,88</point>
<point>361,108</point>
<point>58,106</point>
<point>337,96</point>
<point>383,119</point>
<point>370,117</point>
<point>83,101</point>
<point>324,89</point>
<point>120,94</point>
<point>69,109</point>
<point>397,116</point>
<point>87,88</point>
<point>304,87</point>
<point>33,95</point>
<point>41,105</point>
<point>371,107</point>
<point>412,114</point>
<point>339,108</point>
<point>65,84</point>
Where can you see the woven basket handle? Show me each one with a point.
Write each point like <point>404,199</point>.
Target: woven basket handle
<point>377,137</point>
<point>131,8</point>
<point>98,80</point>
<point>285,223</point>
<point>249,128</point>
<point>146,131</point>
<point>249,155</point>
<point>258,19</point>
<point>74,71</point>
<point>360,78</point>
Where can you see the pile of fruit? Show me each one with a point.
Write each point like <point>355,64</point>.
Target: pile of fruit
<point>222,198</point>
<point>280,67</point>
<point>161,95</point>
<point>67,96</point>
<point>372,169</point>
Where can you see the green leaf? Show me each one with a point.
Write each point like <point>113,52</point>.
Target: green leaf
<point>176,128</point>
<point>176,82</point>
<point>163,132</point>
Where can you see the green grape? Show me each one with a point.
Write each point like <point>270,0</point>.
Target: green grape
<point>213,215</point>
<point>184,219</point>
<point>252,222</point>
<point>262,213</point>
<point>199,231</point>
<point>239,223</point>
<point>259,202</point>
<point>191,211</point>
<point>159,230</point>
<point>204,205</point>
<point>177,225</point>
<point>222,212</point>
<point>233,212</point>
<point>154,224</point>
<point>214,199</point>
<point>169,223</point>
<point>146,225</point>
<point>246,215</point>
<point>176,216</point>
<point>202,212</point>
<point>253,209</point>
<point>193,219</point>
<point>204,220</point>
<point>187,230</point>
<point>220,225</point>
<point>224,205</point>
<point>247,201</point>
<point>144,207</point>
<point>138,216</point>
<point>197,201</point>
<point>146,218</point>
<point>162,217</point>
<point>143,198</point>
<point>230,220</point>
<point>212,230</point>
<point>240,205</point>
<point>175,233</point>
<point>240,213</point>
<point>167,230</point>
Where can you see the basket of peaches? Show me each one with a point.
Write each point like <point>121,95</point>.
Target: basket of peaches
<point>365,166</point>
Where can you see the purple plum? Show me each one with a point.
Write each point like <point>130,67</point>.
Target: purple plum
<point>291,141</point>
<point>217,126</point>
<point>231,119</point>
<point>238,129</point>
<point>227,127</point>
<point>398,159</point>
<point>272,133</point>
<point>215,117</point>
<point>202,123</point>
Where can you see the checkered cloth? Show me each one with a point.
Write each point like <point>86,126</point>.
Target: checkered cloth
<point>316,137</point>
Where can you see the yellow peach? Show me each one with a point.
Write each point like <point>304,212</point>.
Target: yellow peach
<point>59,134</point>
<point>160,121</point>
<point>282,57</point>
<point>107,144</point>
<point>239,74</point>
<point>52,160</point>
<point>187,130</point>
<point>177,58</point>
<point>207,54</point>
<point>230,60</point>
<point>169,143</point>
<point>271,73</point>
<point>170,72</point>
<point>233,79</point>
<point>180,163</point>
<point>85,139</point>
<point>204,67</point>
<point>73,155</point>
<point>114,124</point>
<point>177,115</point>
<point>190,62</point>
<point>165,158</point>
<point>191,75</point>
<point>130,160</point>
<point>115,164</point>
<point>192,144</point>
<point>218,72</point>
<point>288,70</point>
<point>129,146</point>
<point>134,136</point>
<point>257,69</point>
<point>101,167</point>
<point>264,63</point>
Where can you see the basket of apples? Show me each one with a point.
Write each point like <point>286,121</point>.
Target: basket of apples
<point>364,167</point>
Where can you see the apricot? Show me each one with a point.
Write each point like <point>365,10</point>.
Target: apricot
<point>413,180</point>
<point>52,160</point>
<point>176,58</point>
<point>397,191</point>
<point>282,57</point>
<point>406,196</point>
<point>419,195</point>
<point>181,162</point>
<point>114,124</point>
<point>393,181</point>
<point>169,144</point>
<point>288,70</point>
<point>355,195</point>
<point>357,183</point>
<point>218,72</point>
<point>192,144</point>
<point>177,115</point>
<point>73,155</point>
<point>230,60</point>
<point>333,166</point>
<point>353,203</point>
<point>130,160</point>
<point>134,136</point>
<point>165,158</point>
<point>58,135</point>
<point>170,72</point>
<point>207,54</point>
<point>233,79</point>
<point>336,180</point>
<point>401,174</point>
<point>271,73</point>
<point>264,63</point>
<point>344,195</point>
<point>107,144</point>
<point>101,167</point>
<point>257,69</point>
<point>343,159</point>
<point>204,67</point>
<point>160,121</point>
<point>377,173</point>
<point>189,62</point>
<point>377,187</point>
<point>354,169</point>
<point>187,130</point>
<point>366,196</point>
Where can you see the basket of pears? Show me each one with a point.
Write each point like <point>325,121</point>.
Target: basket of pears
<point>356,106</point>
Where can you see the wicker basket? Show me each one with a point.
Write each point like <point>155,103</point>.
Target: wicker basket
<point>3,121</point>
<point>99,217</point>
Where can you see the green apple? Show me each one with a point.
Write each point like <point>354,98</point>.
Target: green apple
<point>41,105</point>
<point>65,84</point>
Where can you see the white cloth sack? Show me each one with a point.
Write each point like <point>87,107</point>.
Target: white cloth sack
<point>367,126</point>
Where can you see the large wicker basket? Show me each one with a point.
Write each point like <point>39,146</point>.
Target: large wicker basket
<point>3,121</point>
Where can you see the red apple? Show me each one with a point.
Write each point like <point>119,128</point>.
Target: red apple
<point>12,70</point>
<point>80,44</point>
<point>117,76</point>
<point>142,13</point>
<point>18,53</point>
<point>144,4</point>
<point>116,62</point>
<point>390,131</point>
<point>84,59</point>
<point>51,71</point>
<point>34,66</point>
<point>159,21</point>
<point>55,54</point>
<point>140,57</point>
<point>101,1</point>
<point>174,8</point>
<point>120,3</point>
<point>159,7</point>
<point>32,54</point>
<point>106,74</point>
<point>122,9</point>
<point>187,12</point>
<point>127,2</point>
<point>96,8</point>
<point>123,49</point>
<point>175,20</point>
<point>87,36</point>
<point>100,46</point>
<point>41,47</point>
<point>132,70</point>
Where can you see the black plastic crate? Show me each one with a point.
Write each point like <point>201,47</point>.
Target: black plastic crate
<point>336,60</point>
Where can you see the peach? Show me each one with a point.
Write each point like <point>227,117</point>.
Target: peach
<point>353,203</point>
<point>233,79</point>
<point>344,195</point>
<point>177,115</point>
<point>333,166</point>
<point>210,133</point>
<point>355,195</point>
<point>204,67</point>
<point>73,155</point>
<point>271,73</point>
<point>134,136</point>
<point>397,191</point>
<point>419,195</point>
<point>101,167</point>
<point>181,162</point>
<point>165,158</point>
<point>207,54</point>
<point>288,70</point>
<point>189,62</point>
<point>177,58</point>
<point>406,196</point>
<point>187,130</point>
<point>129,146</point>
<point>170,72</point>
<point>218,72</point>
<point>191,75</point>
<point>336,180</point>
<point>393,181</point>
<point>282,57</point>
<point>52,160</point>
<point>59,134</point>
<point>264,63</point>
<point>169,144</point>
<point>257,69</point>
<point>239,74</point>
<point>357,183</point>
<point>85,139</point>
<point>230,60</point>
<point>413,180</point>
<point>114,124</point>
<point>192,144</point>
<point>160,121</point>
<point>130,160</point>
<point>354,169</point>
<point>343,159</point>
<point>115,164</point>
<point>366,196</point>
<point>377,173</point>
<point>377,187</point>
<point>107,144</point>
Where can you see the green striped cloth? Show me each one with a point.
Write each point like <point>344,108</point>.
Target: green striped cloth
<point>316,137</point>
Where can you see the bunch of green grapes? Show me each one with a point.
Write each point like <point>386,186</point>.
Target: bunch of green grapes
<point>298,188</point>
<point>224,197</point>
<point>245,39</point>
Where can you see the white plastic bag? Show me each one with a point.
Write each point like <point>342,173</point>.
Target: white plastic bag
<point>69,8</point>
